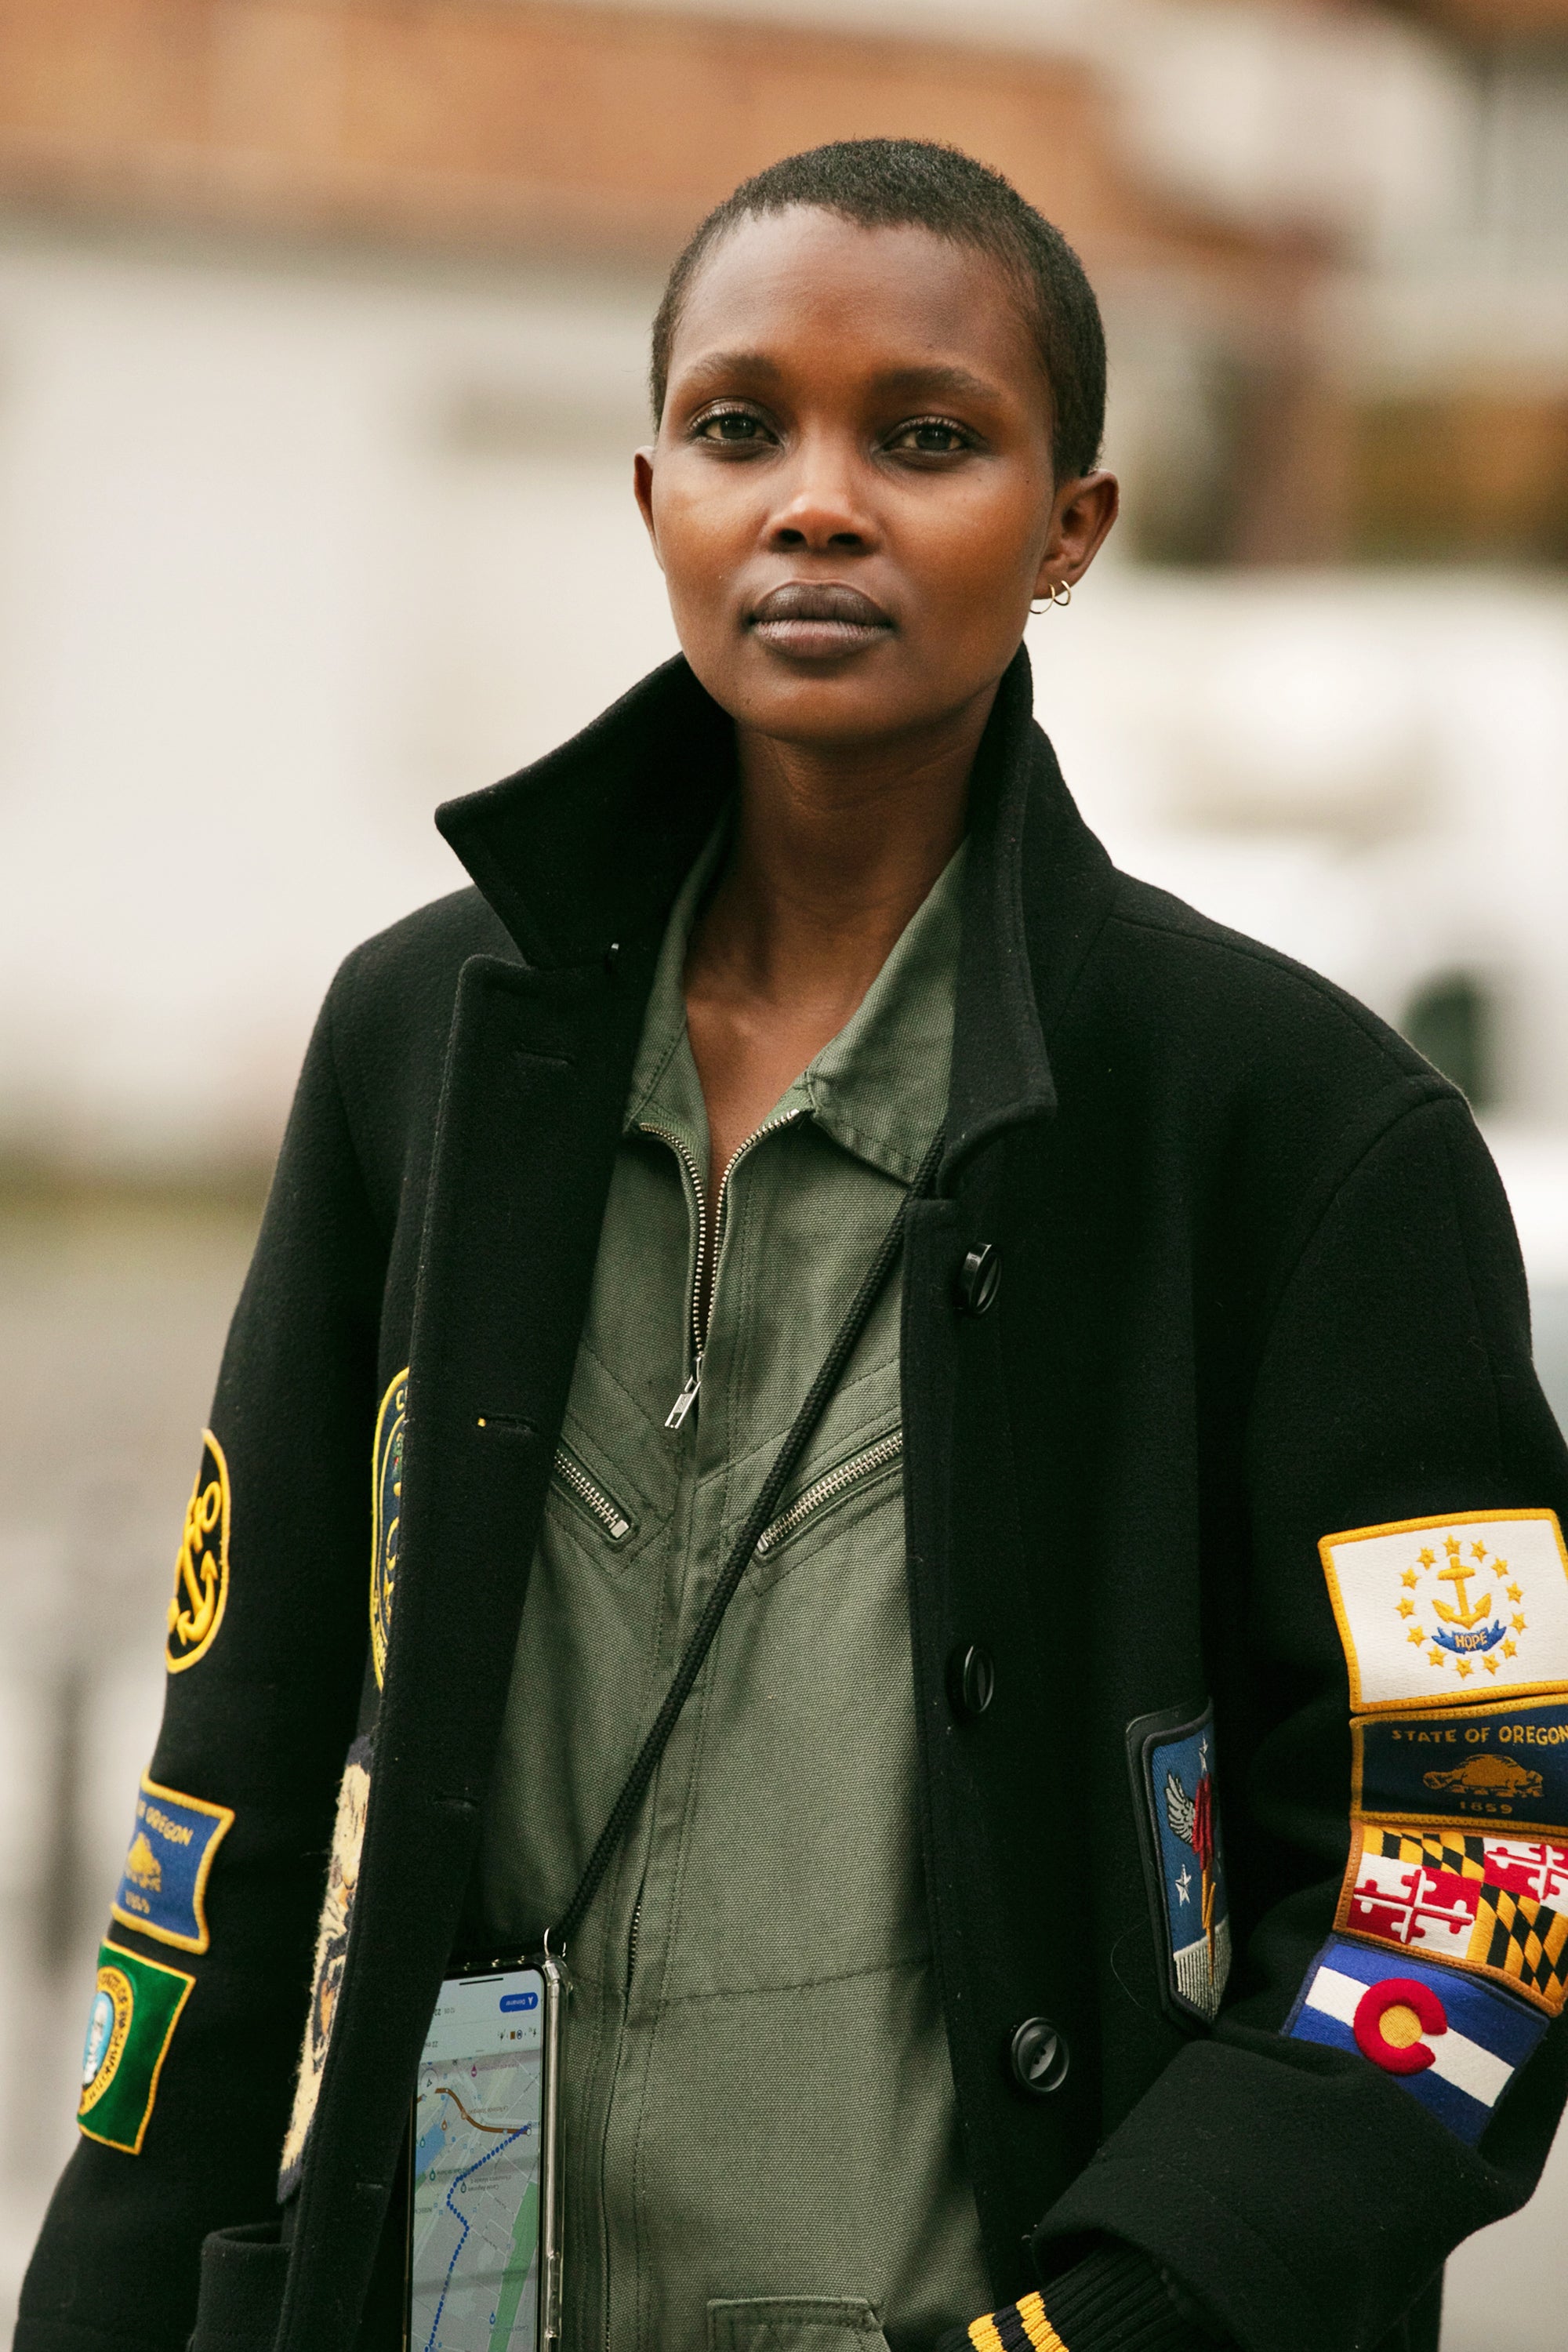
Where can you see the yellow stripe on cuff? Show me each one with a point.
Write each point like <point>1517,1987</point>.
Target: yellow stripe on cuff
<point>1030,2311</point>
<point>1037,2326</point>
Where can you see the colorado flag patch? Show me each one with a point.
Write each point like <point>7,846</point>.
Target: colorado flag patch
<point>1448,2038</point>
<point>164,1883</point>
<point>1435,1611</point>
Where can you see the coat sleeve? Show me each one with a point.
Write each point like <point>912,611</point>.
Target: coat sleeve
<point>1294,2182</point>
<point>193,2049</point>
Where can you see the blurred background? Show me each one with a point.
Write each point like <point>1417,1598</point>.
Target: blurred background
<point>322,332</point>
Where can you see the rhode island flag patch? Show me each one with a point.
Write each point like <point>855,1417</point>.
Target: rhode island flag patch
<point>1451,2040</point>
<point>162,1886</point>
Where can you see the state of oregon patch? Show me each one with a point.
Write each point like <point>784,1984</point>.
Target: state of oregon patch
<point>1495,1905</point>
<point>385,1512</point>
<point>164,1883</point>
<point>1450,2040</point>
<point>136,2005</point>
<point>1172,1760</point>
<point>1475,1764</point>
<point>332,1951</point>
<point>201,1566</point>
<point>1435,1613</point>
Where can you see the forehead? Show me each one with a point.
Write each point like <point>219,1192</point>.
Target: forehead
<point>812,291</point>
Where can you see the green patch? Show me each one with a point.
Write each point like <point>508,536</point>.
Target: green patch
<point>136,2005</point>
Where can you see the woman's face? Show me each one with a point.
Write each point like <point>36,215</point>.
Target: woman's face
<point>851,494</point>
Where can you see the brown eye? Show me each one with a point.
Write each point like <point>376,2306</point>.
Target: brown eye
<point>732,428</point>
<point>930,436</point>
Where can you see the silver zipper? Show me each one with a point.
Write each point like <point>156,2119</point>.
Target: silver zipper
<point>699,1322</point>
<point>827,1489</point>
<point>594,1499</point>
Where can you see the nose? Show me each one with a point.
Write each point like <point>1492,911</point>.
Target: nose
<point>821,508</point>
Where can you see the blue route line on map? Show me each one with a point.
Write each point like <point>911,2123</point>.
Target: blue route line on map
<point>457,2179</point>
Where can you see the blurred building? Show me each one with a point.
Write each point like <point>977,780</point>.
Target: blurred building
<point>323,340</point>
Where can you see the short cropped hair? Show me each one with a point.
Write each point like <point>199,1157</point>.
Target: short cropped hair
<point>918,183</point>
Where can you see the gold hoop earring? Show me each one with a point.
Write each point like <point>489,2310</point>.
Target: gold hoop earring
<point>1061,593</point>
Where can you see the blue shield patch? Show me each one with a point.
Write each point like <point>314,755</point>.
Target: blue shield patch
<point>1448,2037</point>
<point>163,1886</point>
<point>1171,1760</point>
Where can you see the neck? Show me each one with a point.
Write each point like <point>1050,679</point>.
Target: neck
<point>835,848</point>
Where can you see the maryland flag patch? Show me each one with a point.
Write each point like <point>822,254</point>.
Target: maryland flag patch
<point>1496,1906</point>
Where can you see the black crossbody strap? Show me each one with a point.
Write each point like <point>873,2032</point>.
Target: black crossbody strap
<point>785,1462</point>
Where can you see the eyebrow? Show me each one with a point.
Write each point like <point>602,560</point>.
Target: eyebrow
<point>932,376</point>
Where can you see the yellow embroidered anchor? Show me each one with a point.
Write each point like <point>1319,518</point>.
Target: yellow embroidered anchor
<point>1458,1575</point>
<point>201,1565</point>
<point>195,1568</point>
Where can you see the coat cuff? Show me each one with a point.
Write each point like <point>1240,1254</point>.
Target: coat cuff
<point>1115,2300</point>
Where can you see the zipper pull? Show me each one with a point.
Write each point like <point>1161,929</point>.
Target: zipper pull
<point>686,1398</point>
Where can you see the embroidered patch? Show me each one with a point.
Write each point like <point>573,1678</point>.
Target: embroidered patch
<point>331,1949</point>
<point>136,2005</point>
<point>385,1510</point>
<point>1497,1905</point>
<point>201,1568</point>
<point>1480,1764</point>
<point>1451,2040</point>
<point>1172,1778</point>
<point>165,1879</point>
<point>1437,1610</point>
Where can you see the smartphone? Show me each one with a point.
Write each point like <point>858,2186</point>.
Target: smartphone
<point>484,2196</point>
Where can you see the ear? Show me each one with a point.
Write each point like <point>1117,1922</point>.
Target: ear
<point>642,484</point>
<point>1082,516</point>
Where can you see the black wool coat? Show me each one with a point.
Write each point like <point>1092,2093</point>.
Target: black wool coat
<point>1258,1282</point>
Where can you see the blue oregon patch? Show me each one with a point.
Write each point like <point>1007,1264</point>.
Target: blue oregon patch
<point>1173,1774</point>
<point>1480,1763</point>
<point>162,1886</point>
<point>1445,2036</point>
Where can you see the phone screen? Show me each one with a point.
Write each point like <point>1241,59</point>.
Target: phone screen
<point>477,2149</point>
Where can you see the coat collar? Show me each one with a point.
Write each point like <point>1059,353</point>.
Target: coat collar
<point>586,850</point>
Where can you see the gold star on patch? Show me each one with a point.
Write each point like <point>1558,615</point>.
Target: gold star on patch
<point>1415,1635</point>
<point>1518,1625</point>
<point>1451,1545</point>
<point>1511,1649</point>
<point>1464,1668</point>
<point>1408,1580</point>
<point>1478,1550</point>
<point>1491,1664</point>
<point>1407,1608</point>
<point>1428,1560</point>
<point>1436,1658</point>
<point>1515,1593</point>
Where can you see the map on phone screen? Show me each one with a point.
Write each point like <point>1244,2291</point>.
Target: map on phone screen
<point>474,2241</point>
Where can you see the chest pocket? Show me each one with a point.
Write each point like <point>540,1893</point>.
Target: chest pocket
<point>609,1520</point>
<point>867,1477</point>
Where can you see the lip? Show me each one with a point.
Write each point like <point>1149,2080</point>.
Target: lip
<point>818,620</point>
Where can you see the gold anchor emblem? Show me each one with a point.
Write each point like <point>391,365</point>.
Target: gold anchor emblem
<point>1458,1575</point>
<point>201,1566</point>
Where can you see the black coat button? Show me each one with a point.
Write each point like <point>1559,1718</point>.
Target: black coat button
<point>970,1680</point>
<point>978,1280</point>
<point>1039,2055</point>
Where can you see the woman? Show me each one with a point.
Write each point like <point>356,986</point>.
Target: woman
<point>1044,1920</point>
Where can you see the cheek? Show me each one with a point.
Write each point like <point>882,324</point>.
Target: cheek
<point>704,530</point>
<point>964,550</point>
